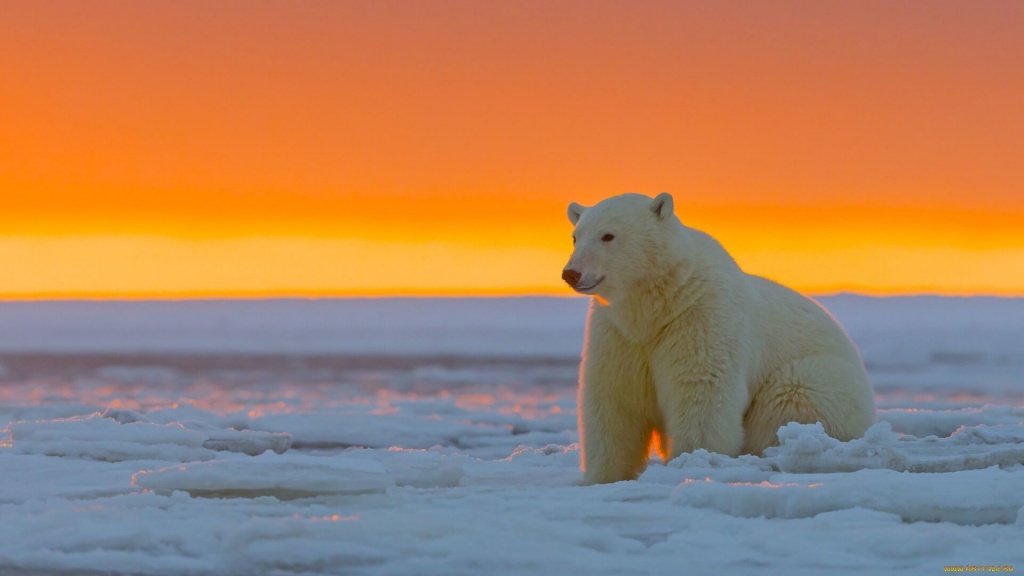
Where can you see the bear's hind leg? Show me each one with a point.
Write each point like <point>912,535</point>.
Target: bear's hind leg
<point>826,389</point>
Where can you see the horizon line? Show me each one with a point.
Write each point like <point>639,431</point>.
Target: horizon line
<point>269,295</point>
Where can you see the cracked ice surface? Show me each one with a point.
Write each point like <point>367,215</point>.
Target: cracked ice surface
<point>340,437</point>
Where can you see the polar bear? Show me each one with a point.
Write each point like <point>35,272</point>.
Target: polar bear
<point>684,350</point>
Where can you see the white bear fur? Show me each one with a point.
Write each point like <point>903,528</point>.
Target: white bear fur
<point>684,350</point>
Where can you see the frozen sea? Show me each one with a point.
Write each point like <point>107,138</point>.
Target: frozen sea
<point>438,437</point>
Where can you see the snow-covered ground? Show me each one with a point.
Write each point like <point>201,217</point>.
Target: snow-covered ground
<point>403,436</point>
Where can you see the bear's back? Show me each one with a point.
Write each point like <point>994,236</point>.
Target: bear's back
<point>791,324</point>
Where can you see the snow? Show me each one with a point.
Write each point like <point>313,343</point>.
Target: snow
<point>995,497</point>
<point>439,437</point>
<point>126,436</point>
<point>285,477</point>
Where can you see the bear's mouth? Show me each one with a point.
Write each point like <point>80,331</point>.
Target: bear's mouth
<point>589,287</point>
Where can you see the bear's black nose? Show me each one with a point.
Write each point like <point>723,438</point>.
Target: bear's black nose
<point>571,277</point>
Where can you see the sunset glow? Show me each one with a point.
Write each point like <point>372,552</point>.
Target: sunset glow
<point>191,149</point>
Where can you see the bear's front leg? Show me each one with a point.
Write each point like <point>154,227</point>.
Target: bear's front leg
<point>617,408</point>
<point>701,401</point>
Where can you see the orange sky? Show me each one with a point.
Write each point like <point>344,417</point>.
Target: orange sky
<point>288,148</point>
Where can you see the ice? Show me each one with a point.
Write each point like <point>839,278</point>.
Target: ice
<point>439,437</point>
<point>38,479</point>
<point>972,477</point>
<point>918,422</point>
<point>973,497</point>
<point>540,327</point>
<point>806,448</point>
<point>96,437</point>
<point>492,428</point>
<point>285,477</point>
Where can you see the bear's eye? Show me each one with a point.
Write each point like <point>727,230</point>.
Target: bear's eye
<point>607,237</point>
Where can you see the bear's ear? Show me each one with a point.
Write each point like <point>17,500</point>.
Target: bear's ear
<point>575,211</point>
<point>662,205</point>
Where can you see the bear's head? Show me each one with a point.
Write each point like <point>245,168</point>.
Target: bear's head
<point>620,242</point>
